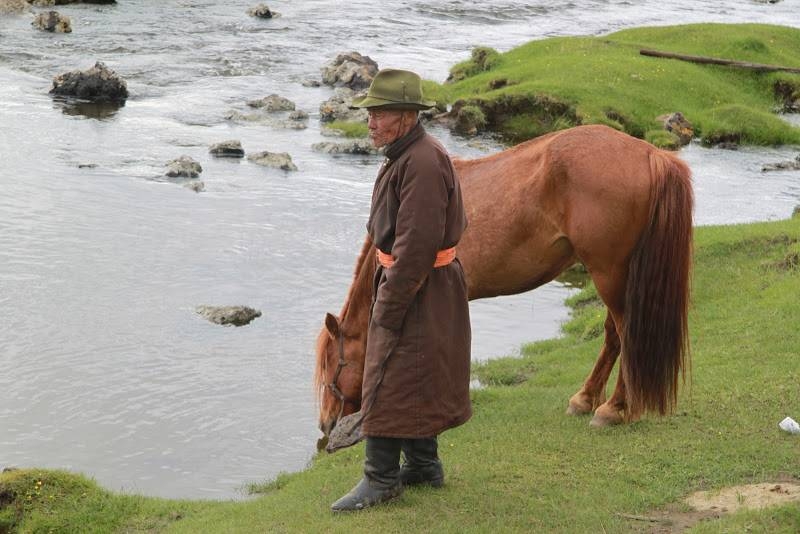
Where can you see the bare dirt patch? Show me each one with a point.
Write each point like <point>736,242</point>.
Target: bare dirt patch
<point>714,504</point>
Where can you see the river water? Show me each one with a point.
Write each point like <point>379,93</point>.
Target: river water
<point>105,368</point>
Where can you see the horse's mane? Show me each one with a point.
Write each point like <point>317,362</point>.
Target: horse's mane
<point>361,276</point>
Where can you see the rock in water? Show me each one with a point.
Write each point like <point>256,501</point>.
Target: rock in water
<point>278,160</point>
<point>99,83</point>
<point>225,315</point>
<point>273,103</point>
<point>680,126</point>
<point>15,7</point>
<point>337,107</point>
<point>227,149</point>
<point>351,70</point>
<point>183,167</point>
<point>52,21</point>
<point>261,11</point>
<point>355,146</point>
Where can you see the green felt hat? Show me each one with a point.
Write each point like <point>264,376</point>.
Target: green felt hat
<point>394,89</point>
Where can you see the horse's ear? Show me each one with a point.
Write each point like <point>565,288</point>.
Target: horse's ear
<point>332,325</point>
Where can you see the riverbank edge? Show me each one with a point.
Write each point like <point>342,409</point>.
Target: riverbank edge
<point>554,83</point>
<point>520,463</point>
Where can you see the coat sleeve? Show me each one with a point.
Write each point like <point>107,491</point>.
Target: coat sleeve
<point>421,217</point>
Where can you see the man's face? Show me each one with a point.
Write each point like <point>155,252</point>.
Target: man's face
<point>386,125</point>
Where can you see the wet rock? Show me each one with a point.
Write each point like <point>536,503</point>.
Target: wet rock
<point>227,149</point>
<point>354,146</point>
<point>272,103</point>
<point>277,160</point>
<point>727,145</point>
<point>311,83</point>
<point>468,119</point>
<point>44,3</point>
<point>227,315</point>
<point>195,185</point>
<point>351,70</point>
<point>183,167</point>
<point>337,107</point>
<point>791,165</point>
<point>13,7</point>
<point>261,11</point>
<point>52,21</point>
<point>98,83</point>
<point>678,125</point>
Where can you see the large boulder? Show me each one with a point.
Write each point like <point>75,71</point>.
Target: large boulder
<point>227,315</point>
<point>272,103</point>
<point>337,107</point>
<point>183,167</point>
<point>98,83</point>
<point>351,70</point>
<point>52,21</point>
<point>227,149</point>
<point>277,160</point>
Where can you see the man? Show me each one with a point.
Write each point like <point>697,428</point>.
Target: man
<point>416,372</point>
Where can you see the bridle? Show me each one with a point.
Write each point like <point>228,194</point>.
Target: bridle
<point>333,386</point>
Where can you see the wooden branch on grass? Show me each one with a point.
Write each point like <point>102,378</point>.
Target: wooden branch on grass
<point>760,67</point>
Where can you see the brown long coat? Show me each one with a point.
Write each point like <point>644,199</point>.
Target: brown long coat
<point>420,314</point>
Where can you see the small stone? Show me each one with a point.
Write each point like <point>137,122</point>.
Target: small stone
<point>227,149</point>
<point>226,315</point>
<point>261,11</point>
<point>277,160</point>
<point>355,146</point>
<point>195,185</point>
<point>273,103</point>
<point>52,21</point>
<point>183,167</point>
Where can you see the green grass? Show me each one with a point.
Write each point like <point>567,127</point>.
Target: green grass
<point>605,80</point>
<point>350,129</point>
<point>520,464</point>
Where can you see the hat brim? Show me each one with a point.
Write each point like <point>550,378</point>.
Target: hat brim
<point>373,102</point>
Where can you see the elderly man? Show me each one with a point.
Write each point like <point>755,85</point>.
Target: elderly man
<point>416,375</point>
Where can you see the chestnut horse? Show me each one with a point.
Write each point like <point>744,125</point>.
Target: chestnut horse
<point>591,194</point>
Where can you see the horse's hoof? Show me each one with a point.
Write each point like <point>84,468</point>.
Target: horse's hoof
<point>599,421</point>
<point>578,405</point>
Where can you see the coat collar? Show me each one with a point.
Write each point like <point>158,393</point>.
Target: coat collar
<point>396,148</point>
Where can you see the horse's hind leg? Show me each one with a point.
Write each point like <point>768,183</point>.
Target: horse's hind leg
<point>593,392</point>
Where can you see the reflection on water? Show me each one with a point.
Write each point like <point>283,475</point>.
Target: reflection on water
<point>90,110</point>
<point>107,370</point>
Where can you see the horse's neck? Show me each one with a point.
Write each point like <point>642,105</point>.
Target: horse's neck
<point>355,313</point>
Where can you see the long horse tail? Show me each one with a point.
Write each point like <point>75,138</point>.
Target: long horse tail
<point>655,340</point>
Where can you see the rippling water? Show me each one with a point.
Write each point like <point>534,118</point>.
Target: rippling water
<point>105,367</point>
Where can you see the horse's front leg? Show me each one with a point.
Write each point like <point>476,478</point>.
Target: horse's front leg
<point>593,393</point>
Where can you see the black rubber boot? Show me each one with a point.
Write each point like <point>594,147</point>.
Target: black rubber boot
<point>422,464</point>
<point>381,480</point>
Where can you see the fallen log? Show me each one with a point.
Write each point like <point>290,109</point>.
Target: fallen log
<point>760,67</point>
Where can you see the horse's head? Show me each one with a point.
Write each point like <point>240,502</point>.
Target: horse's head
<point>340,369</point>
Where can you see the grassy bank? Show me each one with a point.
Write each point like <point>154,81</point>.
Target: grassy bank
<point>522,465</point>
<point>554,83</point>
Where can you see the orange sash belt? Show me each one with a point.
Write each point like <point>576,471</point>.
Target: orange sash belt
<point>443,257</point>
